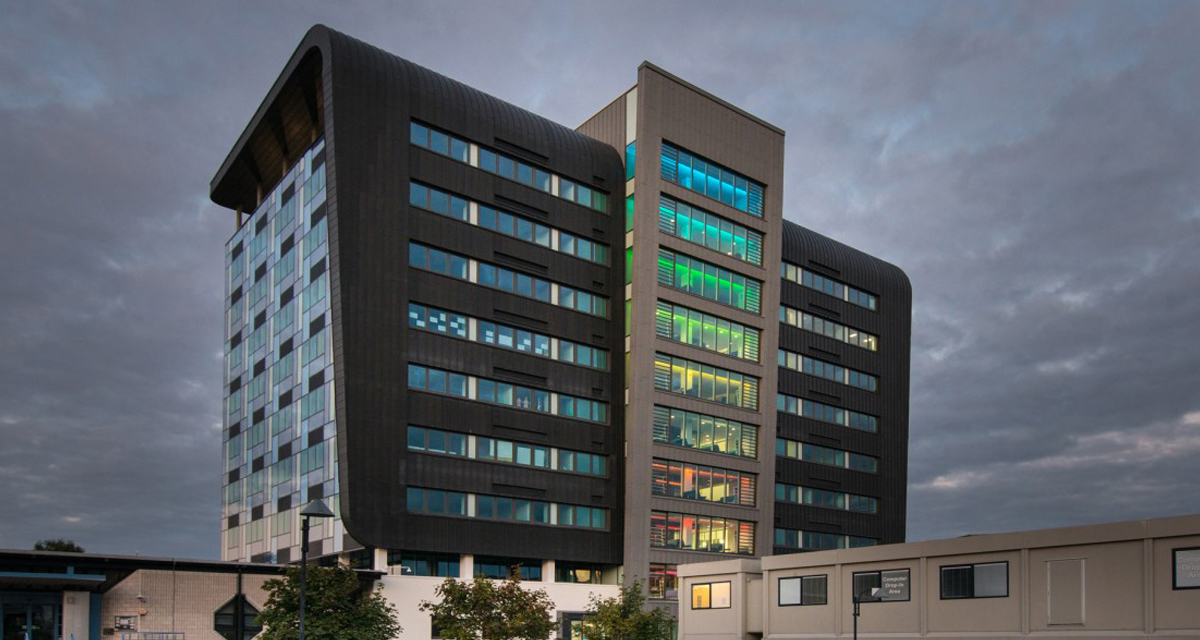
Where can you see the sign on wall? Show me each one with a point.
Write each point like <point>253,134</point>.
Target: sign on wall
<point>1186,568</point>
<point>893,585</point>
<point>125,623</point>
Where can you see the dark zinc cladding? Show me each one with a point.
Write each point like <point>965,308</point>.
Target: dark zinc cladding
<point>454,503</point>
<point>493,277</point>
<point>485,332</point>
<point>709,230</point>
<point>706,280</point>
<point>815,541</point>
<point>424,378</point>
<point>827,370</point>
<point>698,329</point>
<point>497,450</point>
<point>670,530</point>
<point>506,167</point>
<point>825,455</point>
<point>481,215</point>
<point>701,482</point>
<point>826,413</point>
<point>706,433</point>
<point>828,328</point>
<point>712,180</point>
<point>825,498</point>
<point>829,286</point>
<point>696,380</point>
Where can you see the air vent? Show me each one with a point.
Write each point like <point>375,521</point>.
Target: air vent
<point>519,207</point>
<point>824,310</point>
<point>509,374</point>
<point>517,318</point>
<point>517,490</point>
<point>820,266</point>
<point>517,149</point>
<point>514,261</point>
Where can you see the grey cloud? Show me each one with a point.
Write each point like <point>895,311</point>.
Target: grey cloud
<point>1032,166</point>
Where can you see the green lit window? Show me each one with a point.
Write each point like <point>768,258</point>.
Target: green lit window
<point>826,413</point>
<point>708,230</point>
<point>692,327</point>
<point>707,433</point>
<point>696,380</point>
<point>827,370</point>
<point>709,281</point>
<point>828,328</point>
<point>711,179</point>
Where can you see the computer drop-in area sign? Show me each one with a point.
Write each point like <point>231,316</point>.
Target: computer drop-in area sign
<point>893,585</point>
<point>1186,568</point>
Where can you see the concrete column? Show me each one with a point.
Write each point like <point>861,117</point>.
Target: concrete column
<point>76,613</point>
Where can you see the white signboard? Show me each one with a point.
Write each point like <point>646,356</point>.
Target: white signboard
<point>1187,568</point>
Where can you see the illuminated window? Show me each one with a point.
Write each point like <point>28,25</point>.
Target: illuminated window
<point>710,179</point>
<point>708,230</point>
<point>709,281</point>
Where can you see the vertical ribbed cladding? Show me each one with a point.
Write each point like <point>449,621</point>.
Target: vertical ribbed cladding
<point>376,95</point>
<point>892,323</point>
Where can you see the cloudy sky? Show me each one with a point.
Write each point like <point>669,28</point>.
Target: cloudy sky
<point>1034,167</point>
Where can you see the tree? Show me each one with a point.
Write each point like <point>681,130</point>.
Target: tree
<point>624,617</point>
<point>481,610</point>
<point>336,608</point>
<point>57,545</point>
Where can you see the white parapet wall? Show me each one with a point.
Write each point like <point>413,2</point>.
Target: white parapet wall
<point>407,593</point>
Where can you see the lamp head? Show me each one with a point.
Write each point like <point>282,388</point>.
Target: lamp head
<point>316,509</point>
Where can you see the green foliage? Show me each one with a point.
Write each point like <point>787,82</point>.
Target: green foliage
<point>624,617</point>
<point>336,608</point>
<point>57,545</point>
<point>491,610</point>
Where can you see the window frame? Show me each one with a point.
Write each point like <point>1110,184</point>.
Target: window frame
<point>1175,569</point>
<point>801,579</point>
<point>692,594</point>
<point>942,585</point>
<point>879,573</point>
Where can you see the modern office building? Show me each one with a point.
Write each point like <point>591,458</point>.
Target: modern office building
<point>490,340</point>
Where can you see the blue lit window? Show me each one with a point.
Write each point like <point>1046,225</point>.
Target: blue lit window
<point>712,180</point>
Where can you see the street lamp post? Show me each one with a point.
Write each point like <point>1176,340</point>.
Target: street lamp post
<point>871,595</point>
<point>314,509</point>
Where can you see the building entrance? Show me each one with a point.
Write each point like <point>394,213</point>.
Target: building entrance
<point>29,621</point>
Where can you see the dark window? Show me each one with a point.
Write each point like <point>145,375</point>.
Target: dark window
<point>988,580</point>
<point>237,619</point>
<point>503,568</point>
<point>441,565</point>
